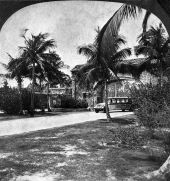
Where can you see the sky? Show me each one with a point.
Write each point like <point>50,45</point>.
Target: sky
<point>69,23</point>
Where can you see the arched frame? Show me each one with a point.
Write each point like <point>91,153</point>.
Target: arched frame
<point>161,8</point>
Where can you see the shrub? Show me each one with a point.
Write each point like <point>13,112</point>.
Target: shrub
<point>150,93</point>
<point>10,101</point>
<point>129,137</point>
<point>162,118</point>
<point>81,103</point>
<point>151,101</point>
<point>69,102</point>
<point>146,114</point>
<point>39,100</point>
<point>26,99</point>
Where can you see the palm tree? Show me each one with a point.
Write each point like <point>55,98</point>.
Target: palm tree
<point>102,69</point>
<point>153,44</point>
<point>32,55</point>
<point>106,37</point>
<point>54,75</point>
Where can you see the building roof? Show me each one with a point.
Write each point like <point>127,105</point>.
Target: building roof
<point>135,61</point>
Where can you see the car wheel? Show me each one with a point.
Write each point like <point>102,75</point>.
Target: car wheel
<point>123,110</point>
<point>96,111</point>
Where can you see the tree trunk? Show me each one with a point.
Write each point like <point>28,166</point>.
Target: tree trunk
<point>42,107</point>
<point>75,90</point>
<point>33,91</point>
<point>162,173</point>
<point>20,96</point>
<point>48,97</point>
<point>106,102</point>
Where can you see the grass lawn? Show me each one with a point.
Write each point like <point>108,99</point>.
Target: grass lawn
<point>85,152</point>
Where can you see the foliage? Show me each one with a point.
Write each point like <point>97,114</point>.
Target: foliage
<point>69,102</point>
<point>9,100</point>
<point>100,68</point>
<point>129,137</point>
<point>162,118</point>
<point>38,59</point>
<point>151,102</point>
<point>39,100</point>
<point>153,44</point>
<point>111,28</point>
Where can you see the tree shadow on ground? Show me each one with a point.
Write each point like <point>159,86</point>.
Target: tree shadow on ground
<point>121,121</point>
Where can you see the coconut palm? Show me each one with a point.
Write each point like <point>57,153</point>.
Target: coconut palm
<point>112,26</point>
<point>54,75</point>
<point>32,55</point>
<point>51,73</point>
<point>153,44</point>
<point>102,69</point>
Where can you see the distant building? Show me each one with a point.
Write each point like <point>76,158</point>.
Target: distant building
<point>114,88</point>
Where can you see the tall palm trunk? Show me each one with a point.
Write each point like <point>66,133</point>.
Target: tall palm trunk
<point>48,97</point>
<point>106,102</point>
<point>41,106</point>
<point>20,95</point>
<point>33,90</point>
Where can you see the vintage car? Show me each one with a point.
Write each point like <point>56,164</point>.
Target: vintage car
<point>115,103</point>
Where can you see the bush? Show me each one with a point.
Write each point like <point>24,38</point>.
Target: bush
<point>151,102</point>
<point>150,93</point>
<point>129,137</point>
<point>39,100</point>
<point>162,118</point>
<point>69,102</point>
<point>26,99</point>
<point>147,114</point>
<point>10,101</point>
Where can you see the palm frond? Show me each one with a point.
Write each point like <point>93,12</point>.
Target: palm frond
<point>111,28</point>
<point>4,65</point>
<point>143,50</point>
<point>145,21</point>
<point>6,75</point>
<point>92,75</point>
<point>122,54</point>
<point>87,50</point>
<point>46,45</point>
<point>85,68</point>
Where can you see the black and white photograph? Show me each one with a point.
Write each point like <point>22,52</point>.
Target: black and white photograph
<point>84,90</point>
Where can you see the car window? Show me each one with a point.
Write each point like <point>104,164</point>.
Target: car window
<point>110,101</point>
<point>123,100</point>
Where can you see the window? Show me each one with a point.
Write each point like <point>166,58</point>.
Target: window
<point>123,100</point>
<point>118,101</point>
<point>113,100</point>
